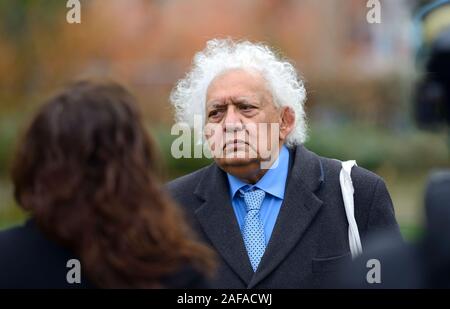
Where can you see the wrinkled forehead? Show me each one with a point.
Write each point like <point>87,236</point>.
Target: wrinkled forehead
<point>237,84</point>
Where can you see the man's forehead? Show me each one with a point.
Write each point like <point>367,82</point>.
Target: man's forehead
<point>237,79</point>
<point>235,86</point>
<point>227,99</point>
<point>232,98</point>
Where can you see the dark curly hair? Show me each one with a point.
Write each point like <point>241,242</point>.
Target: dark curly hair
<point>86,171</point>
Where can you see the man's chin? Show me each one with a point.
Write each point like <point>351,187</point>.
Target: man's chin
<point>241,168</point>
<point>237,162</point>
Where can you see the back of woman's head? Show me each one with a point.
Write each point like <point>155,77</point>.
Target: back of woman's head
<point>85,171</point>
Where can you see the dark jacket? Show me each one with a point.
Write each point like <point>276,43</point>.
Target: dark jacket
<point>28,259</point>
<point>310,237</point>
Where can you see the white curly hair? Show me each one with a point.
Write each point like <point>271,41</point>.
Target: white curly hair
<point>220,55</point>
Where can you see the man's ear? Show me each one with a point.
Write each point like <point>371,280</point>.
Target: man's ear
<point>287,122</point>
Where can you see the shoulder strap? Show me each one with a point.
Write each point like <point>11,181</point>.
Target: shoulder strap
<point>347,195</point>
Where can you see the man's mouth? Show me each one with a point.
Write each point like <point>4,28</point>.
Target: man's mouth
<point>235,143</point>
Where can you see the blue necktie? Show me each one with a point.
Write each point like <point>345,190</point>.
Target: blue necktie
<point>253,232</point>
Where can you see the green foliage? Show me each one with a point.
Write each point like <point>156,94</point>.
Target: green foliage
<point>374,147</point>
<point>16,15</point>
<point>175,167</point>
<point>8,134</point>
<point>411,232</point>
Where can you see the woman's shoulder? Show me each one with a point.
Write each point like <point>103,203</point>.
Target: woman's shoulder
<point>28,259</point>
<point>12,238</point>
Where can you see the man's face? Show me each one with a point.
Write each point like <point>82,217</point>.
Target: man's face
<point>244,120</point>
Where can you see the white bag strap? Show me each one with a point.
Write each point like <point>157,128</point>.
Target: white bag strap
<point>347,195</point>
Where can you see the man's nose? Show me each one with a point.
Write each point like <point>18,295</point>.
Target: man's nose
<point>232,121</point>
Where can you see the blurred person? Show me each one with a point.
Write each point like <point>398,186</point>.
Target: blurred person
<point>278,226</point>
<point>432,90</point>
<point>86,172</point>
<point>425,264</point>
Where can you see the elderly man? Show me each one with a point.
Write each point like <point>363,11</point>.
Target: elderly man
<point>272,209</point>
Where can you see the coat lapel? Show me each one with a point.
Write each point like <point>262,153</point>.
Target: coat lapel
<point>298,210</point>
<point>219,222</point>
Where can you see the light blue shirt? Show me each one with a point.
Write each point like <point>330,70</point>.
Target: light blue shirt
<point>273,183</point>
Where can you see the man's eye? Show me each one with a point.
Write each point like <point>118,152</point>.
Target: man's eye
<point>213,114</point>
<point>246,107</point>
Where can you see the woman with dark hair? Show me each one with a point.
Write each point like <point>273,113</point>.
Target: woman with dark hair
<point>85,170</point>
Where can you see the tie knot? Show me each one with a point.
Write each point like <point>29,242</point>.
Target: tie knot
<point>253,199</point>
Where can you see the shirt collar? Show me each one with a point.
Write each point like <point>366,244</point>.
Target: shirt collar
<point>273,181</point>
